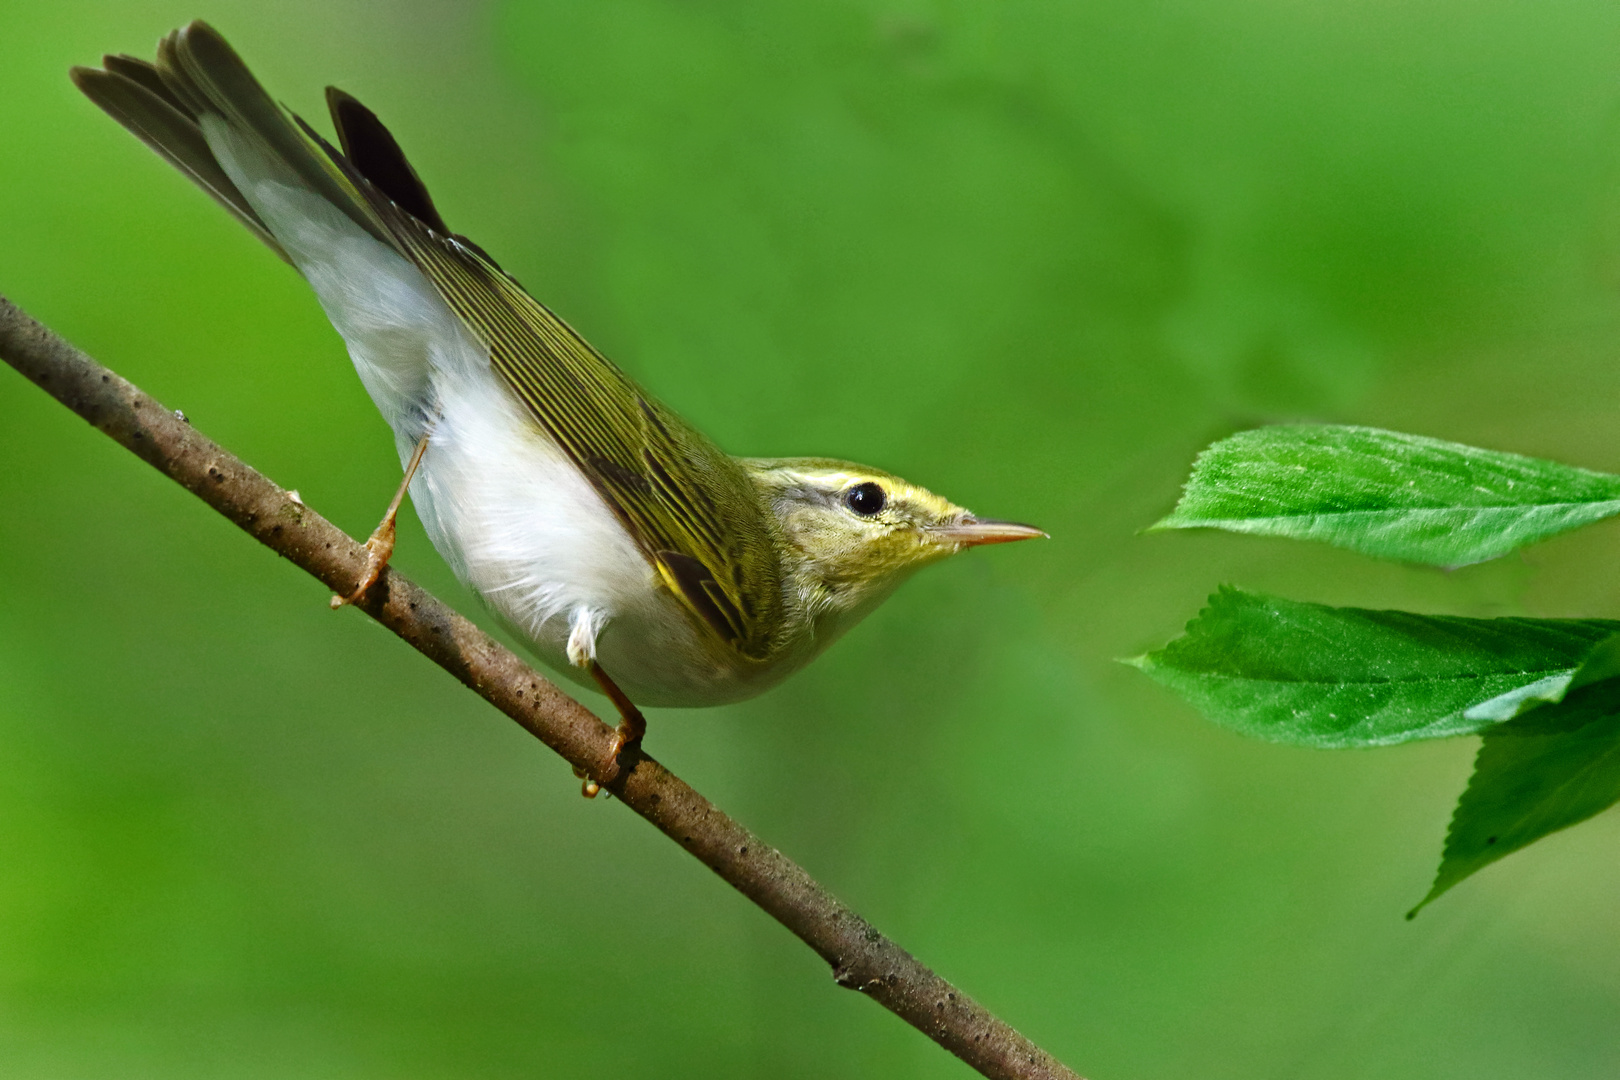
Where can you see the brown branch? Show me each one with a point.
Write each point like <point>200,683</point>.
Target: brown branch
<point>862,959</point>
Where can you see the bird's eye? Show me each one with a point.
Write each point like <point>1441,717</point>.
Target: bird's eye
<point>866,499</point>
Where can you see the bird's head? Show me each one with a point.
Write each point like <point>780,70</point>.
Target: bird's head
<point>854,533</point>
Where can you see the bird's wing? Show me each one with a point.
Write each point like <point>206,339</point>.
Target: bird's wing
<point>691,508</point>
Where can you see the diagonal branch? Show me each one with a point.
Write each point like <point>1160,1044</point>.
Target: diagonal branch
<point>862,959</point>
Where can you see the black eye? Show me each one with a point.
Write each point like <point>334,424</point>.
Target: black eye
<point>865,499</point>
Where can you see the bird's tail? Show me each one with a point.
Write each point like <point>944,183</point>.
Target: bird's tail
<point>344,218</point>
<point>199,95</point>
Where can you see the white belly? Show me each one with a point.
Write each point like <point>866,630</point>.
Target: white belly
<point>524,528</point>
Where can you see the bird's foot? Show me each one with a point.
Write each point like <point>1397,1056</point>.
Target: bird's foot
<point>381,545</point>
<point>379,549</point>
<point>626,738</point>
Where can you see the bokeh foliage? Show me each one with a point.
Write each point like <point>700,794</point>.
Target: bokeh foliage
<point>1032,255</point>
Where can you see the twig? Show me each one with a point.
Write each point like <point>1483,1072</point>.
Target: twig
<point>862,959</point>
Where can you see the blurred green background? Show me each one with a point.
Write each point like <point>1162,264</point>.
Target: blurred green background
<point>1032,255</point>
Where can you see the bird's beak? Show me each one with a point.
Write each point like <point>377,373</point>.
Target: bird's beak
<point>970,531</point>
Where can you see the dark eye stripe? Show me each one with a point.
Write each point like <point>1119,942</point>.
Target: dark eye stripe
<point>866,499</point>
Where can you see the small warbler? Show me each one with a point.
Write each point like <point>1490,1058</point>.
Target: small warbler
<point>598,526</point>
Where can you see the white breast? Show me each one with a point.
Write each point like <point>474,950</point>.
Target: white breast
<point>518,522</point>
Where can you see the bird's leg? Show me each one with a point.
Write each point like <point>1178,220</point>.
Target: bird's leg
<point>381,545</point>
<point>632,726</point>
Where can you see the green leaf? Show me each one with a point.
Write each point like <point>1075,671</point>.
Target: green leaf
<point>1544,771</point>
<point>1386,494</point>
<point>1312,675</point>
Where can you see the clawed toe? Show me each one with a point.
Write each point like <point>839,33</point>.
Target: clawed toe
<point>379,549</point>
<point>626,739</point>
<point>622,742</point>
<point>587,787</point>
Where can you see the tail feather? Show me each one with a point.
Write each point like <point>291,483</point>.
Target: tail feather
<point>373,152</point>
<point>200,62</point>
<point>146,73</point>
<point>175,82</point>
<point>168,105</point>
<point>160,122</point>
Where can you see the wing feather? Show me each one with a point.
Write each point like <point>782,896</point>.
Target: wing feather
<point>691,507</point>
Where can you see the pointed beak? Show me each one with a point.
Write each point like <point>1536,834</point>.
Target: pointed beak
<point>972,532</point>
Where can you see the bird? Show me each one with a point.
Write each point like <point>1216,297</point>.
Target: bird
<point>617,541</point>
